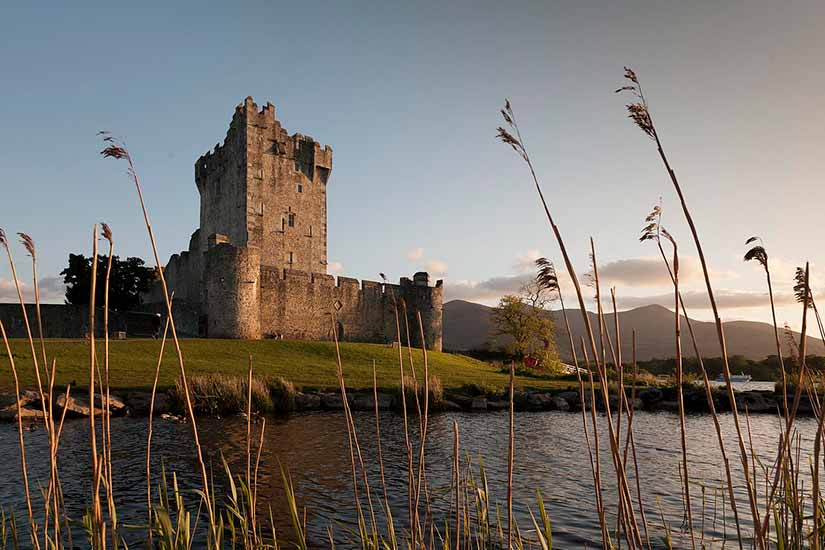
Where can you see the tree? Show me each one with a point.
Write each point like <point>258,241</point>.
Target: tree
<point>526,321</point>
<point>129,278</point>
<point>512,317</point>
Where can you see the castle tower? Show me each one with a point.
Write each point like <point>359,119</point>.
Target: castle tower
<point>232,280</point>
<point>256,266</point>
<point>427,301</point>
<point>266,189</point>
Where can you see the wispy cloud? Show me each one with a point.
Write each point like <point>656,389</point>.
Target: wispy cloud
<point>488,290</point>
<point>335,267</point>
<point>432,265</point>
<point>651,272</point>
<point>436,267</point>
<point>725,299</point>
<point>526,262</point>
<point>52,290</point>
<point>637,273</point>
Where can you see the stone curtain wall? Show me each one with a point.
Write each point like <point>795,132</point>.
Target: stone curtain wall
<point>300,305</point>
<point>70,321</point>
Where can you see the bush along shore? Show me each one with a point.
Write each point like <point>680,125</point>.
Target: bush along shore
<point>219,395</point>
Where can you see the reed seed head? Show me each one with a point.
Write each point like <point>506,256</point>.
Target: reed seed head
<point>757,252</point>
<point>3,240</point>
<point>512,136</point>
<point>654,230</point>
<point>107,231</point>
<point>28,243</point>
<point>637,111</point>
<point>801,290</point>
<point>113,147</point>
<point>546,277</point>
<point>790,341</point>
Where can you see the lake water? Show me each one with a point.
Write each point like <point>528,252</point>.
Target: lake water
<point>551,455</point>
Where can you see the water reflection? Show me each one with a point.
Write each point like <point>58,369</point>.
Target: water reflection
<point>550,455</point>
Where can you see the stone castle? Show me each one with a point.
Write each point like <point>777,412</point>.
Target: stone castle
<point>257,265</point>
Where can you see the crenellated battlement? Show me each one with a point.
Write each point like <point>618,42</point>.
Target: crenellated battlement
<point>296,146</point>
<point>272,275</point>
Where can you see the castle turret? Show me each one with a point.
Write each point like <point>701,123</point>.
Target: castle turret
<point>422,299</point>
<point>232,290</point>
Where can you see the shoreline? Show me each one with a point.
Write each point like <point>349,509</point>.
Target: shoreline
<point>651,399</point>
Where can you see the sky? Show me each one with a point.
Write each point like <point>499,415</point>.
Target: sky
<point>408,96</point>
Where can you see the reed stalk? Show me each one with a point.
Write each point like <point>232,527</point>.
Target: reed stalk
<point>116,150</point>
<point>511,450</point>
<point>679,393</point>
<point>28,244</point>
<point>654,231</point>
<point>457,478</point>
<point>548,279</point>
<point>249,450</point>
<point>759,254</point>
<point>517,143</point>
<point>254,505</point>
<point>41,393</point>
<point>803,295</point>
<point>632,442</point>
<point>606,542</point>
<point>624,498</point>
<point>353,434</point>
<point>640,114</point>
<point>107,410</point>
<point>407,443</point>
<point>23,466</point>
<point>424,420</point>
<point>387,510</point>
<point>150,427</point>
<point>98,536</point>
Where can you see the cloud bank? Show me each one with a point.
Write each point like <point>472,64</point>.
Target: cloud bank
<point>52,290</point>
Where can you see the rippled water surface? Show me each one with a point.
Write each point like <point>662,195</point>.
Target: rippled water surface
<point>551,456</point>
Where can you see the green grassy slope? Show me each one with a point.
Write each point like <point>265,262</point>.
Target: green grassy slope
<point>306,364</point>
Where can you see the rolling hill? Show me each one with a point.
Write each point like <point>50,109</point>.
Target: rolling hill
<point>468,326</point>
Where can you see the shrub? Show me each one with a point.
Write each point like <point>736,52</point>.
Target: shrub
<point>478,389</point>
<point>436,390</point>
<point>282,392</point>
<point>218,394</point>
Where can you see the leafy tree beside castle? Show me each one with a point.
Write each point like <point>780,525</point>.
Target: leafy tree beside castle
<point>129,278</point>
<point>527,326</point>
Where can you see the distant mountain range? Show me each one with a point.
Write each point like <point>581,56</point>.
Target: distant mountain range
<point>468,326</point>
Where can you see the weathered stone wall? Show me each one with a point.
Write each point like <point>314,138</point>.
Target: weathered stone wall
<point>286,194</point>
<point>231,299</point>
<point>184,276</point>
<point>71,321</point>
<point>221,177</point>
<point>306,306</point>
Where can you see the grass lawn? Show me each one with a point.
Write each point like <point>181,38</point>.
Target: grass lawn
<point>308,365</point>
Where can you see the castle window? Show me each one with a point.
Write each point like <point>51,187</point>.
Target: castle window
<point>291,219</point>
<point>290,258</point>
<point>310,231</point>
<point>283,224</point>
<point>300,188</point>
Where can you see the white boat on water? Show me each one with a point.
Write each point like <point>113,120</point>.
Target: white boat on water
<point>741,377</point>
